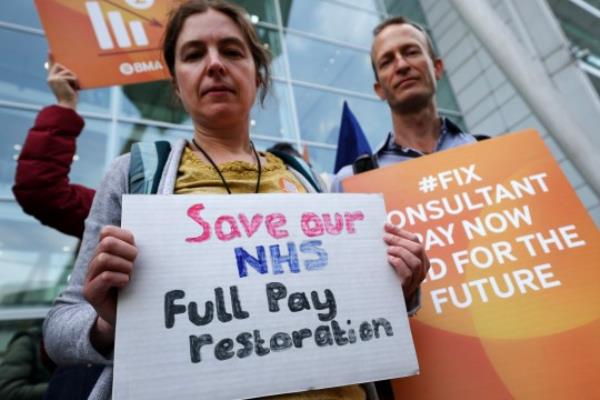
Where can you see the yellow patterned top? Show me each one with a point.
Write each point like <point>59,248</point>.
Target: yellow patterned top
<point>196,176</point>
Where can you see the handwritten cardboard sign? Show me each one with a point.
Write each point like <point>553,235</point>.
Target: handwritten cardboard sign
<point>107,42</point>
<point>510,305</point>
<point>250,295</point>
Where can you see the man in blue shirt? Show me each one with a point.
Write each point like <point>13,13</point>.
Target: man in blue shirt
<point>406,73</point>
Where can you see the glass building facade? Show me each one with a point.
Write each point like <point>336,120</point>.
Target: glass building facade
<point>321,58</point>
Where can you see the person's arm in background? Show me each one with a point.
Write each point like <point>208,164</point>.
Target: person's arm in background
<point>42,186</point>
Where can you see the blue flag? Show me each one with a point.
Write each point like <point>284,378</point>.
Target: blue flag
<point>352,141</point>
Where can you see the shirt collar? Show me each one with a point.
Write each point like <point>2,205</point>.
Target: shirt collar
<point>447,129</point>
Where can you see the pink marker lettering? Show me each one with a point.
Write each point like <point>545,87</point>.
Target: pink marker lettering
<point>333,229</point>
<point>311,224</point>
<point>350,218</point>
<point>250,227</point>
<point>233,228</point>
<point>194,213</point>
<point>274,222</point>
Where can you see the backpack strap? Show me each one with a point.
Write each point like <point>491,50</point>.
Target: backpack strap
<point>298,164</point>
<point>146,165</point>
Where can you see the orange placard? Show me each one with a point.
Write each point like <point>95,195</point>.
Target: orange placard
<point>510,307</point>
<point>107,42</point>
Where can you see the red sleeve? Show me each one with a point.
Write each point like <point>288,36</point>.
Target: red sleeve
<point>42,185</point>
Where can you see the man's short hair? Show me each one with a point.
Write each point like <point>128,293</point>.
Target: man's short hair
<point>400,20</point>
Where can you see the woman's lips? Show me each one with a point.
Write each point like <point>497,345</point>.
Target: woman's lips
<point>217,91</point>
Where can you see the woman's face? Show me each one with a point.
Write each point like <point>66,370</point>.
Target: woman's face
<point>215,74</point>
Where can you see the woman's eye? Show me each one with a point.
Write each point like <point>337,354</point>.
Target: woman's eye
<point>192,55</point>
<point>233,53</point>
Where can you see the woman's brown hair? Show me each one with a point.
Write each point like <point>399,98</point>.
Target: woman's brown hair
<point>185,9</point>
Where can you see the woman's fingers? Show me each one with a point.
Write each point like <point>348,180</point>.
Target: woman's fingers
<point>117,241</point>
<point>119,233</point>
<point>99,286</point>
<point>109,270</point>
<point>407,267</point>
<point>389,228</point>
<point>407,256</point>
<point>104,262</point>
<point>101,293</point>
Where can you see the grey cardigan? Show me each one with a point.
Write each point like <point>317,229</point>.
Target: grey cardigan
<point>67,326</point>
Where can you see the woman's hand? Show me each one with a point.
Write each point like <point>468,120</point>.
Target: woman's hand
<point>407,255</point>
<point>63,83</point>
<point>109,270</point>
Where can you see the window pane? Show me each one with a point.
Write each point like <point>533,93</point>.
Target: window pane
<point>329,64</point>
<point>274,118</point>
<point>320,112</point>
<point>22,12</point>
<point>322,160</point>
<point>270,38</point>
<point>445,95</point>
<point>34,260</point>
<point>23,77</point>
<point>410,9</point>
<point>263,145</point>
<point>329,20</point>
<point>264,10</point>
<point>90,161</point>
<point>22,73</point>
<point>371,5</point>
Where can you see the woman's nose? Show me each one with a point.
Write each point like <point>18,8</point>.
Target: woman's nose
<point>215,62</point>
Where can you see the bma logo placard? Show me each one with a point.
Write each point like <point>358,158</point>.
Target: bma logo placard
<point>107,42</point>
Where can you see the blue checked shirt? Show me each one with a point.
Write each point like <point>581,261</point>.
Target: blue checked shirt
<point>389,152</point>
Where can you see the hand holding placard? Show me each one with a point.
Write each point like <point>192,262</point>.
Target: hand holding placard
<point>63,83</point>
<point>406,254</point>
<point>109,270</point>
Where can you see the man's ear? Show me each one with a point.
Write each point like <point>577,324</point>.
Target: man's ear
<point>438,67</point>
<point>378,90</point>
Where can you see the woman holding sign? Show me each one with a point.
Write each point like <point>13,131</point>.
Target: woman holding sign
<point>217,64</point>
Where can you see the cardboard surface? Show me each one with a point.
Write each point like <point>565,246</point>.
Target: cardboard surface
<point>511,303</point>
<point>217,308</point>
